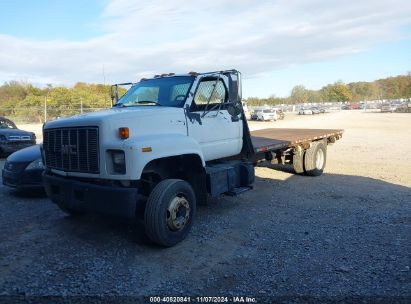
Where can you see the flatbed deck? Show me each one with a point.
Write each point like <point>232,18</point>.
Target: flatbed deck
<point>278,138</point>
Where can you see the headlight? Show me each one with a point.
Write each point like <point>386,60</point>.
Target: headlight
<point>118,158</point>
<point>2,137</point>
<point>119,161</point>
<point>37,164</point>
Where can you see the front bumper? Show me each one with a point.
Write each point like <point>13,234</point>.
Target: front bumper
<point>26,179</point>
<point>79,195</point>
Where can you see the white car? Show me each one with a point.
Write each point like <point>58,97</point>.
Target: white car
<point>387,107</point>
<point>247,112</point>
<point>266,115</point>
<point>304,111</point>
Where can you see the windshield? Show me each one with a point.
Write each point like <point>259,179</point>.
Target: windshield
<point>7,124</point>
<point>168,91</point>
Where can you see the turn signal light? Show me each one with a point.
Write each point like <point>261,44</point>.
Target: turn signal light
<point>124,133</point>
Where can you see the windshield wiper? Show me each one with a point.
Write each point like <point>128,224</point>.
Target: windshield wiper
<point>149,101</point>
<point>125,105</point>
<point>120,105</point>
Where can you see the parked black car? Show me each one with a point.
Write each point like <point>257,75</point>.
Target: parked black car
<point>23,169</point>
<point>254,115</point>
<point>13,139</point>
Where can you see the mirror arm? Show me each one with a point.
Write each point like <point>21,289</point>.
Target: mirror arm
<point>211,95</point>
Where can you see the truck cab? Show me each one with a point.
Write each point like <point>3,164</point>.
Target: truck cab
<point>163,132</point>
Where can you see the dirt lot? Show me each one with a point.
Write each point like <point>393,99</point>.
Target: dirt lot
<point>346,234</point>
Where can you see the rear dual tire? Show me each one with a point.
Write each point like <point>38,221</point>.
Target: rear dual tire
<point>298,162</point>
<point>312,161</point>
<point>315,159</point>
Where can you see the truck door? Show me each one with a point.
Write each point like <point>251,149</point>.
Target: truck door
<point>210,123</point>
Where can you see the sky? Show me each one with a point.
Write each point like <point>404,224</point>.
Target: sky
<point>275,44</point>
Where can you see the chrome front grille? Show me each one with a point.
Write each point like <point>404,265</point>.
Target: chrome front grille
<point>17,137</point>
<point>72,149</point>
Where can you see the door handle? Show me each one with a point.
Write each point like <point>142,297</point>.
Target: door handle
<point>178,122</point>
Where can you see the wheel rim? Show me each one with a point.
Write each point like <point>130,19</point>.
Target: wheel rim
<point>319,159</point>
<point>178,213</point>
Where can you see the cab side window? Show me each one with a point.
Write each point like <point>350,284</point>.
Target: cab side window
<point>206,91</point>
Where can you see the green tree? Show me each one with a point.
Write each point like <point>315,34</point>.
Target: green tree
<point>299,94</point>
<point>336,92</point>
<point>30,108</point>
<point>363,91</point>
<point>314,96</point>
<point>13,91</point>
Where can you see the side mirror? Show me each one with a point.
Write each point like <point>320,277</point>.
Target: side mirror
<point>234,110</point>
<point>114,94</point>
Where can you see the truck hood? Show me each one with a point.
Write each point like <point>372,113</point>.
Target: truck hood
<point>12,132</point>
<point>113,114</point>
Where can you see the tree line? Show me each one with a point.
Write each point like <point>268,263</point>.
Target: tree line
<point>27,102</point>
<point>388,88</point>
<point>24,101</point>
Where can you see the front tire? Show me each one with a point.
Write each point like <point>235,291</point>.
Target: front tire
<point>169,213</point>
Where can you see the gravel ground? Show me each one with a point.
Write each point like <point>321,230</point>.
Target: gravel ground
<point>343,235</point>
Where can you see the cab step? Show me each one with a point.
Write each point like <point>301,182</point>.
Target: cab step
<point>229,177</point>
<point>238,191</point>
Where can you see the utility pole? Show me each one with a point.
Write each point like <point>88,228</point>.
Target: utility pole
<point>104,76</point>
<point>45,108</point>
<point>81,105</point>
<point>104,83</point>
<point>106,93</point>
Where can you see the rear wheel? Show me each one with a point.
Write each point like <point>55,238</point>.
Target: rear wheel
<point>298,161</point>
<point>170,211</point>
<point>315,159</point>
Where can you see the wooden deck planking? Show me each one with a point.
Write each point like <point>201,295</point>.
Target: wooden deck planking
<point>273,138</point>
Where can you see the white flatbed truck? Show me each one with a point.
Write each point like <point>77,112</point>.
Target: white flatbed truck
<point>164,147</point>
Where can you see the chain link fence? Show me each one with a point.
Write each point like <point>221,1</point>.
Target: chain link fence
<point>40,114</point>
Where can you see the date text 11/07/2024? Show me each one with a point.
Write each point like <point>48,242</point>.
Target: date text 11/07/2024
<point>239,299</point>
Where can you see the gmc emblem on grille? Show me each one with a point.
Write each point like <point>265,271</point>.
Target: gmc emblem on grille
<point>69,149</point>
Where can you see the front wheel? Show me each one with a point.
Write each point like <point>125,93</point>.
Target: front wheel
<point>170,211</point>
